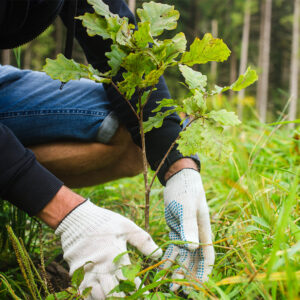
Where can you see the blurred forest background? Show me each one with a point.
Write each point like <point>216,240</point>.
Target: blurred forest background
<point>261,33</point>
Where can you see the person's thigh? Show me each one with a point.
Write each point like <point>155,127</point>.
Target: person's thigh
<point>34,107</point>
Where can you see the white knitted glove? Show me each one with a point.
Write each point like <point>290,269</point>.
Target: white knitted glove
<point>187,215</point>
<point>91,233</point>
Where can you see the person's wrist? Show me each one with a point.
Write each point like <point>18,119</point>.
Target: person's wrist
<point>59,207</point>
<point>183,163</point>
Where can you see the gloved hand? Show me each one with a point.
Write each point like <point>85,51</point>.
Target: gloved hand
<point>91,233</point>
<point>187,215</point>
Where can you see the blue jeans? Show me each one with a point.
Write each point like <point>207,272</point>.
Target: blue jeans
<point>34,107</point>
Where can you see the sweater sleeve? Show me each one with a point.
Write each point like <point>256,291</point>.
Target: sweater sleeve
<point>23,181</point>
<point>158,140</point>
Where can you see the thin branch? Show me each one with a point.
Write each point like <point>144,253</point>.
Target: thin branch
<point>145,166</point>
<point>132,108</point>
<point>167,153</point>
<point>151,90</point>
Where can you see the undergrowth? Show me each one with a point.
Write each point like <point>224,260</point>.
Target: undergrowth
<point>254,205</point>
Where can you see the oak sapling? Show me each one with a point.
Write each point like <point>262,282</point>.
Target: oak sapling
<point>144,58</point>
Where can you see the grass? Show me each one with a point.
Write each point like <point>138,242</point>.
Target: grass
<point>254,205</point>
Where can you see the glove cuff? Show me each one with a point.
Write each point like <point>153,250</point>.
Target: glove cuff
<point>185,175</point>
<point>183,185</point>
<point>180,171</point>
<point>84,219</point>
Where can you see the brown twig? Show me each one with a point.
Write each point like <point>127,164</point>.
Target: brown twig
<point>145,166</point>
<point>167,153</point>
<point>132,108</point>
<point>150,93</point>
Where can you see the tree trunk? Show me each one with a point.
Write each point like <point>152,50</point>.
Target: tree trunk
<point>294,64</point>
<point>260,49</point>
<point>27,57</point>
<point>195,16</point>
<point>59,36</point>
<point>233,73</point>
<point>213,66</point>
<point>264,59</point>
<point>132,5</point>
<point>5,57</point>
<point>244,53</point>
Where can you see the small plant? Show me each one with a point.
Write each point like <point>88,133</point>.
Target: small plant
<point>21,224</point>
<point>72,292</point>
<point>28,269</point>
<point>38,285</point>
<point>144,59</point>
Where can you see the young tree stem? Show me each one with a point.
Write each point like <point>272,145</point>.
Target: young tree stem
<point>145,166</point>
<point>167,153</point>
<point>131,107</point>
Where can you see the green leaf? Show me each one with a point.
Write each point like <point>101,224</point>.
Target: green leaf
<point>77,277</point>
<point>64,69</point>
<point>72,290</point>
<point>95,75</point>
<point>251,228</point>
<point>58,296</point>
<point>194,105</point>
<point>193,78</point>
<point>157,120</point>
<point>224,117</point>
<point>87,291</point>
<point>160,274</point>
<point>144,99</point>
<point>160,16</point>
<point>165,103</point>
<point>123,36</point>
<point>116,57</point>
<point>113,26</point>
<point>205,139</point>
<point>217,90</point>
<point>245,80</point>
<point>97,78</point>
<point>242,82</point>
<point>130,271</point>
<point>126,286</point>
<point>138,63</point>
<point>157,296</point>
<point>100,7</point>
<point>142,36</point>
<point>95,25</point>
<point>179,41</point>
<point>168,50</point>
<point>260,221</point>
<point>295,231</point>
<point>128,85</point>
<point>119,256</point>
<point>152,78</point>
<point>205,50</point>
